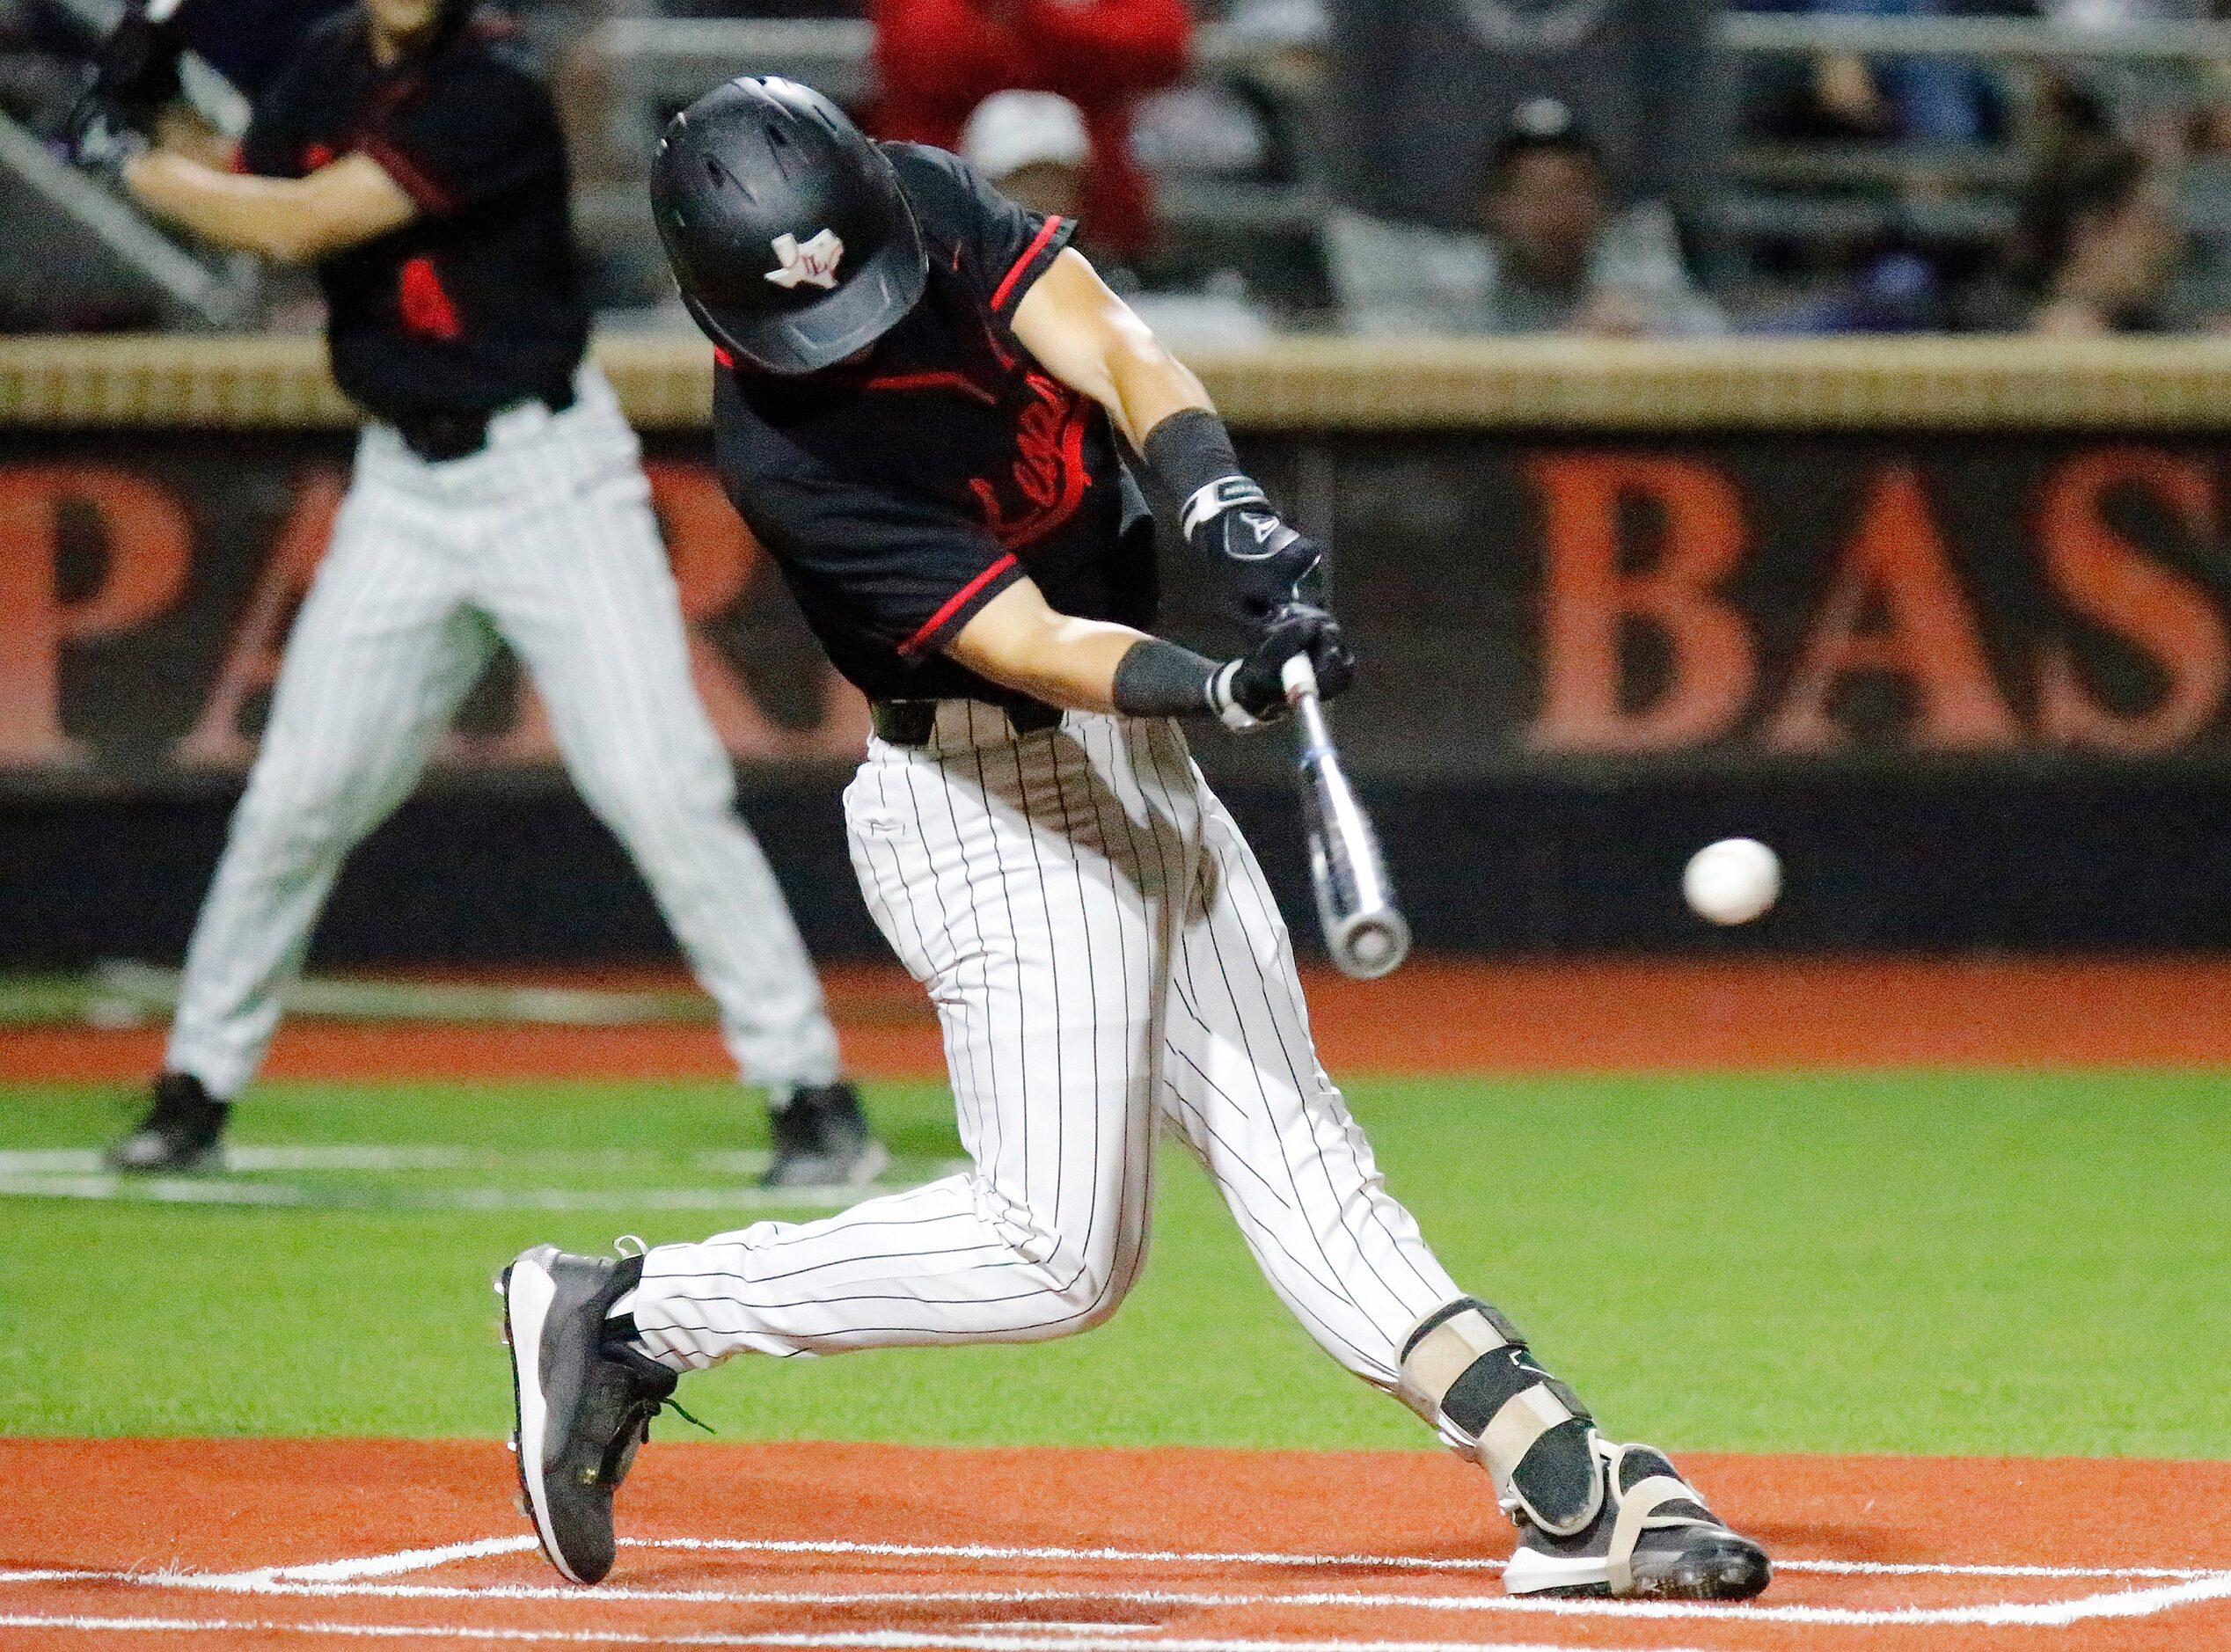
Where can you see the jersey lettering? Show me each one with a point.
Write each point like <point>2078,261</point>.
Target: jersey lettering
<point>1050,470</point>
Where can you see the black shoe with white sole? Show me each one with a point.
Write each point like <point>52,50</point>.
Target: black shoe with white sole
<point>584,1401</point>
<point>822,1139</point>
<point>182,1132</point>
<point>1654,1538</point>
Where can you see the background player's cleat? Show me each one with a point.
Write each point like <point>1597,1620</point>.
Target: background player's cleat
<point>583,1402</point>
<point>1653,1538</point>
<point>821,1140</point>
<point>184,1130</point>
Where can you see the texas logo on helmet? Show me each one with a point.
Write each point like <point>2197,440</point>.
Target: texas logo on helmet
<point>813,262</point>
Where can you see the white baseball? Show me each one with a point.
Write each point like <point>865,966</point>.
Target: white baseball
<point>1732,881</point>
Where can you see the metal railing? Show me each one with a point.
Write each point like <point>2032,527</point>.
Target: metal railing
<point>1780,34</point>
<point>826,50</point>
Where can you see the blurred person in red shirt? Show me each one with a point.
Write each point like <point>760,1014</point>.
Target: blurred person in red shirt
<point>939,59</point>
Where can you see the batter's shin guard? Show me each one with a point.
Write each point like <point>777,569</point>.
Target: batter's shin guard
<point>1465,1370</point>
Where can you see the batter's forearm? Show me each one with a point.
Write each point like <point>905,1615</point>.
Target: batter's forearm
<point>292,220</point>
<point>1151,385</point>
<point>251,214</point>
<point>1020,643</point>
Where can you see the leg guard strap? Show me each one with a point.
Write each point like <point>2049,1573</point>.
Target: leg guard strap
<point>1467,1371</point>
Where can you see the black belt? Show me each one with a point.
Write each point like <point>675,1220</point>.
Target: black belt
<point>439,435</point>
<point>914,722</point>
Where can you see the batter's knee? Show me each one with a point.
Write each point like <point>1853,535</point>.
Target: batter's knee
<point>296,819</point>
<point>1084,1275</point>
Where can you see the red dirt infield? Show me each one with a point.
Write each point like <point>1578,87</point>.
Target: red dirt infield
<point>263,1543</point>
<point>1436,1016</point>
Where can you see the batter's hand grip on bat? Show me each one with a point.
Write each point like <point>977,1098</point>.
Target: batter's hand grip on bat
<point>1364,930</point>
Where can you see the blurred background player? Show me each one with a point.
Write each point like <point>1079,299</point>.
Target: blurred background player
<point>408,152</point>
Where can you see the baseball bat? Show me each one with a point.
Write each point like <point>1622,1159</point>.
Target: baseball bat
<point>1364,930</point>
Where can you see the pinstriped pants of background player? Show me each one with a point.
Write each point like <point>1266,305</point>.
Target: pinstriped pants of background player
<point>545,540</point>
<point>1103,954</point>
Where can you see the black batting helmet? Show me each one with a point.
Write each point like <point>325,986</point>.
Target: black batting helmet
<point>785,227</point>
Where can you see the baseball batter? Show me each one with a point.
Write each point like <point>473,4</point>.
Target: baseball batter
<point>412,157</point>
<point>919,411</point>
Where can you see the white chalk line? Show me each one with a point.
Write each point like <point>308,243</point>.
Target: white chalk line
<point>869,1640</point>
<point>400,1561</point>
<point>420,1559</point>
<point>1392,1562</point>
<point>2142,1603</point>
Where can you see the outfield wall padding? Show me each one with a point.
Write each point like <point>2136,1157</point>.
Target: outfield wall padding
<point>1947,623</point>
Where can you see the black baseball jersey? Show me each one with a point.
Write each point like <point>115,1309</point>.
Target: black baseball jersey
<point>901,494</point>
<point>477,303</point>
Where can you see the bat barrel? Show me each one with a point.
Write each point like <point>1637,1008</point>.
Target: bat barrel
<point>1363,930</point>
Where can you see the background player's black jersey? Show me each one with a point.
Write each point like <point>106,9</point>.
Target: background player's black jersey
<point>901,495</point>
<point>478,303</point>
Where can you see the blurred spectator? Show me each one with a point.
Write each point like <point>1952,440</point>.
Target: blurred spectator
<point>1842,96</point>
<point>2098,248</point>
<point>1253,120</point>
<point>1890,289</point>
<point>937,60</point>
<point>1553,251</point>
<point>1033,147</point>
<point>1646,78</point>
<point>2153,100</point>
<point>42,67</point>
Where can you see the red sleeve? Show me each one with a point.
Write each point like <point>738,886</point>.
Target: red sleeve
<point>1132,45</point>
<point>938,59</point>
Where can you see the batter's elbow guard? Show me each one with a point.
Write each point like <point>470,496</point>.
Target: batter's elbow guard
<point>1467,1371</point>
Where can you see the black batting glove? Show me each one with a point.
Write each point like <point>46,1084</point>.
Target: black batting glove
<point>101,139</point>
<point>1252,691</point>
<point>1262,564</point>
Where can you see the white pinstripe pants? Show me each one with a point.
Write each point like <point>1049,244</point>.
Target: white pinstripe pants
<point>1102,948</point>
<point>546,540</point>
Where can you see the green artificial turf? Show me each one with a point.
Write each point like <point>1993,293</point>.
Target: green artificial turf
<point>1952,1263</point>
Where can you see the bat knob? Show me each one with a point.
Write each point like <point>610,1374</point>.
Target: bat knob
<point>1372,946</point>
<point>1299,676</point>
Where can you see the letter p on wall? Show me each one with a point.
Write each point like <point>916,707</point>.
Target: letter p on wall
<point>144,546</point>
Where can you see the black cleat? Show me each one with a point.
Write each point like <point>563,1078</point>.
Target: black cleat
<point>1653,1540</point>
<point>582,1404</point>
<point>184,1130</point>
<point>821,1140</point>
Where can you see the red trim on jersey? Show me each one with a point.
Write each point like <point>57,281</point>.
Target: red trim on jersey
<point>960,382</point>
<point>1051,228</point>
<point>413,182</point>
<point>723,357</point>
<point>953,605</point>
<point>426,305</point>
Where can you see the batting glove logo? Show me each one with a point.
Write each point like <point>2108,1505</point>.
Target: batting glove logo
<point>814,263</point>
